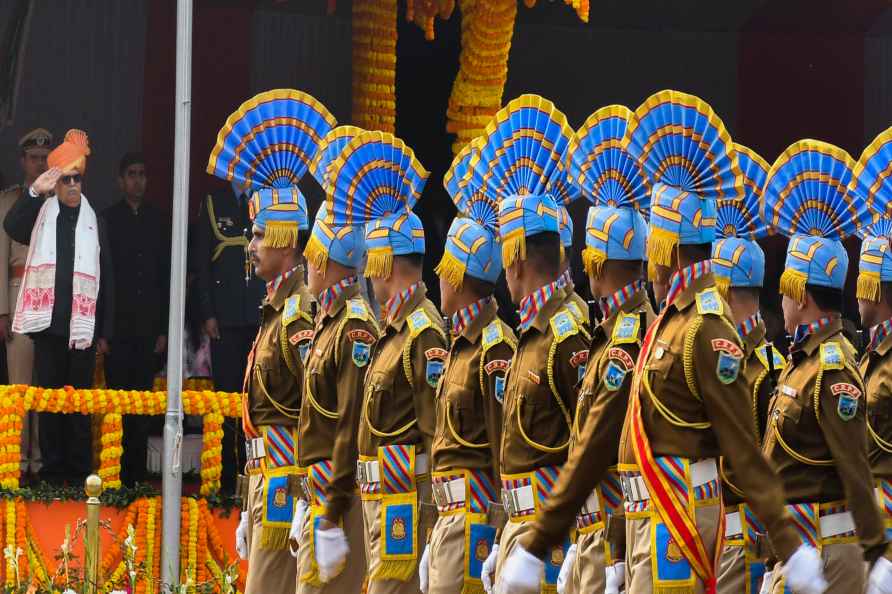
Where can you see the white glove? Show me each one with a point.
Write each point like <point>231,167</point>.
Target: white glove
<point>803,571</point>
<point>766,583</point>
<point>297,527</point>
<point>566,569</point>
<point>488,572</point>
<point>615,576</point>
<point>880,577</point>
<point>522,573</point>
<point>331,552</point>
<point>423,568</point>
<point>241,537</point>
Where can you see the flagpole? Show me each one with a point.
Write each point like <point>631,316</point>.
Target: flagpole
<point>172,476</point>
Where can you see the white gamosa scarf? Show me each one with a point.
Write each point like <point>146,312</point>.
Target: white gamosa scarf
<point>34,308</point>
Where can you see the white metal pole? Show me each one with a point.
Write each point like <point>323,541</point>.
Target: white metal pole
<point>172,478</point>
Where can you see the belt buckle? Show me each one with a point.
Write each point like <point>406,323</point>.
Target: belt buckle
<point>626,484</point>
<point>438,493</point>
<point>506,502</point>
<point>360,472</point>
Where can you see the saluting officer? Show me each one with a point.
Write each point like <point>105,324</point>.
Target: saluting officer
<point>346,332</point>
<point>738,264</point>
<point>515,165</point>
<point>687,405</point>
<point>816,432</point>
<point>377,180</point>
<point>469,398</point>
<point>34,148</point>
<point>588,495</point>
<point>293,122</point>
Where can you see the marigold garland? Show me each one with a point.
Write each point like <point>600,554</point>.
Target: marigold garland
<point>16,400</point>
<point>423,13</point>
<point>374,64</point>
<point>10,533</point>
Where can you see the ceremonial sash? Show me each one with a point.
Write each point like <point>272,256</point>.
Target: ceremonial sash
<point>677,516</point>
<point>398,514</point>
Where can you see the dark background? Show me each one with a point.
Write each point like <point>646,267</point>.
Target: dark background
<point>776,71</point>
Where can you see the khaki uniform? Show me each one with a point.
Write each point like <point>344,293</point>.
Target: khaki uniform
<point>816,438</point>
<point>588,493</point>
<point>20,348</point>
<point>396,430</point>
<point>694,408</point>
<point>743,558</point>
<point>329,420</point>
<point>876,369</point>
<point>273,381</point>
<point>466,449</point>
<point>578,307</point>
<point>539,406</point>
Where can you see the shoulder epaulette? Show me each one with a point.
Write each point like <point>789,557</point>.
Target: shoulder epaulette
<point>492,335</point>
<point>762,356</point>
<point>709,302</point>
<point>832,356</point>
<point>357,309</point>
<point>563,325</point>
<point>626,329</point>
<point>291,311</point>
<point>418,322</point>
<point>580,316</point>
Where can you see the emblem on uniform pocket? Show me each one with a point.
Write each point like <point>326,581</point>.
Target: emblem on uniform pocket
<point>614,376</point>
<point>727,368</point>
<point>847,400</point>
<point>433,372</point>
<point>361,353</point>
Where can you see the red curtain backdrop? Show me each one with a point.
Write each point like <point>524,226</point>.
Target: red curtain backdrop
<point>221,57</point>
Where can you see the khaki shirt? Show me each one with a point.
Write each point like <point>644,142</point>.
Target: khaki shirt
<point>12,253</point>
<point>689,378</point>
<point>470,395</point>
<point>401,379</point>
<point>601,409</point>
<point>578,307</point>
<point>275,366</point>
<point>817,434</point>
<point>876,367</point>
<point>329,413</point>
<point>760,384</point>
<point>540,395</point>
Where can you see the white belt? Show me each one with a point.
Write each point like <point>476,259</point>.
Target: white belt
<point>255,449</point>
<point>518,501</point>
<point>449,493</point>
<point>733,526</point>
<point>592,504</point>
<point>369,471</point>
<point>702,472</point>
<point>836,524</point>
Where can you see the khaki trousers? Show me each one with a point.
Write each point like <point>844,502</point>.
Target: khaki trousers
<point>371,515</point>
<point>639,572</point>
<point>269,571</point>
<point>446,560</point>
<point>732,571</point>
<point>350,580</point>
<point>20,365</point>
<point>588,568</point>
<point>511,536</point>
<point>844,570</point>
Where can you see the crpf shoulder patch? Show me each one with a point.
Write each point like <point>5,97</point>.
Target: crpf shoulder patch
<point>614,375</point>
<point>578,360</point>
<point>356,309</point>
<point>626,329</point>
<point>622,356</point>
<point>361,347</point>
<point>729,358</point>
<point>291,310</point>
<point>418,322</point>
<point>436,358</point>
<point>499,367</point>
<point>832,356</point>
<point>847,396</point>
<point>563,325</point>
<point>762,355</point>
<point>496,365</point>
<point>709,302</point>
<point>492,335</point>
<point>302,339</point>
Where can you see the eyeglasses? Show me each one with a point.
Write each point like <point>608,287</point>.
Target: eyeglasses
<point>69,180</point>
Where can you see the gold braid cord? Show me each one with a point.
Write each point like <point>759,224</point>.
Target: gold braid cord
<point>374,64</point>
<point>688,356</point>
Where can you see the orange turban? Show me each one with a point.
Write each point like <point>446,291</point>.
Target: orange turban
<point>71,155</point>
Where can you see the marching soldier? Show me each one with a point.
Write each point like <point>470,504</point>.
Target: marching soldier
<point>345,335</point>
<point>514,166</point>
<point>687,406</point>
<point>34,147</point>
<point>565,192</point>
<point>376,179</point>
<point>469,399</point>
<point>738,264</point>
<point>816,431</point>
<point>274,376</point>
<point>588,492</point>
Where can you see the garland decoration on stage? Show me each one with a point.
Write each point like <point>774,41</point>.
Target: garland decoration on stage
<point>374,64</point>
